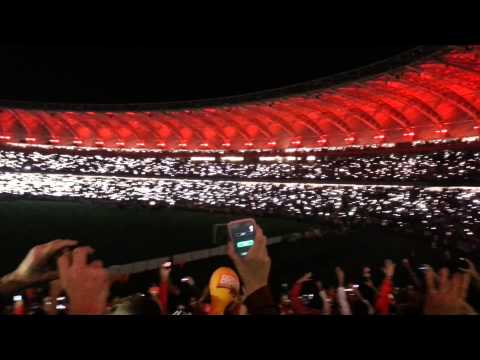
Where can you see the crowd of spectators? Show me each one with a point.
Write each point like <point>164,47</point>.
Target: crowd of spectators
<point>445,166</point>
<point>446,214</point>
<point>57,278</point>
<point>411,198</point>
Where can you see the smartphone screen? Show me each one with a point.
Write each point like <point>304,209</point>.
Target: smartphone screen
<point>242,233</point>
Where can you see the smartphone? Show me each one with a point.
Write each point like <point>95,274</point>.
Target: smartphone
<point>242,234</point>
<point>17,298</point>
<point>167,265</point>
<point>185,279</point>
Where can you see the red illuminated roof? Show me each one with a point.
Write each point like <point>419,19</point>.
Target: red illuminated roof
<point>425,94</point>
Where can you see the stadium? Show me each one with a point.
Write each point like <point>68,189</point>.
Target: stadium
<point>378,162</point>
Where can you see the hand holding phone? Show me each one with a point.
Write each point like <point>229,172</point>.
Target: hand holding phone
<point>254,267</point>
<point>242,234</point>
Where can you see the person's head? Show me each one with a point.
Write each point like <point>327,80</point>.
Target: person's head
<point>138,304</point>
<point>224,288</point>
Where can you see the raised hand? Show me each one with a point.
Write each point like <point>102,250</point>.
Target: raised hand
<point>340,276</point>
<point>445,295</point>
<point>254,268</point>
<point>305,278</point>
<point>33,270</point>
<point>389,268</point>
<point>87,285</point>
<point>471,270</point>
<point>165,274</point>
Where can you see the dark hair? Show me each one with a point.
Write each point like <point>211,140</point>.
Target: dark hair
<point>140,304</point>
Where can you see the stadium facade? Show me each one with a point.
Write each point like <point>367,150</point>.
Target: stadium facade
<point>427,93</point>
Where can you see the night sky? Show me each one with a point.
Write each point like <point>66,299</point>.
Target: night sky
<point>131,75</point>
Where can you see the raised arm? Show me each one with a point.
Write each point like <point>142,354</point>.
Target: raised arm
<point>254,269</point>
<point>382,304</point>
<point>341,293</point>
<point>297,305</point>
<point>472,271</point>
<point>33,269</point>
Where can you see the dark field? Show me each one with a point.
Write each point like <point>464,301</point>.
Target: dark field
<point>119,235</point>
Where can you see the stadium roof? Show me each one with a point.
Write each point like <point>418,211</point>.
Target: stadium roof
<point>426,93</point>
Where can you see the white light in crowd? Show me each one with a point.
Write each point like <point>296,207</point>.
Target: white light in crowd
<point>120,143</point>
<point>99,142</point>
<point>290,158</point>
<point>311,158</point>
<point>269,158</point>
<point>161,144</point>
<point>233,158</point>
<point>152,203</point>
<point>54,141</point>
<point>5,137</point>
<point>30,139</point>
<point>202,158</point>
<point>204,145</point>
<point>471,138</point>
<point>411,133</point>
<point>248,144</point>
<point>77,142</point>
<point>226,144</point>
<point>140,144</point>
